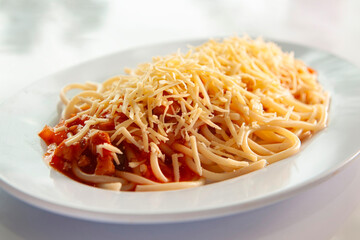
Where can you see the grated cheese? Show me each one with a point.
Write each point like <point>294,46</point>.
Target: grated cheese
<point>216,96</point>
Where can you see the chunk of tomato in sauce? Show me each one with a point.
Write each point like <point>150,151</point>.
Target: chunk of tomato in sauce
<point>49,136</point>
<point>104,165</point>
<point>72,152</point>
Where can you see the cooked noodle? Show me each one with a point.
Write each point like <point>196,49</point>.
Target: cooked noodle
<point>219,111</point>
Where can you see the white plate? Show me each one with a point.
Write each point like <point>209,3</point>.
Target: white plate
<point>24,174</point>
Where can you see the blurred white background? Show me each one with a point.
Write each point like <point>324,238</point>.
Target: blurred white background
<point>39,37</point>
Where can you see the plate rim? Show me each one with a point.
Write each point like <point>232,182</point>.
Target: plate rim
<point>186,216</point>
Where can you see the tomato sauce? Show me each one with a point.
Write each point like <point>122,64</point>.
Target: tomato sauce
<point>89,161</point>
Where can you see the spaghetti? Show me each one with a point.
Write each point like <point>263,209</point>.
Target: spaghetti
<point>221,110</point>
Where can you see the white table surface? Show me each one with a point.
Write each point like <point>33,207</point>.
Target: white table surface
<point>39,37</point>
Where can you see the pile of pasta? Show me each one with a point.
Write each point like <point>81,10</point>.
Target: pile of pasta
<point>221,110</point>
